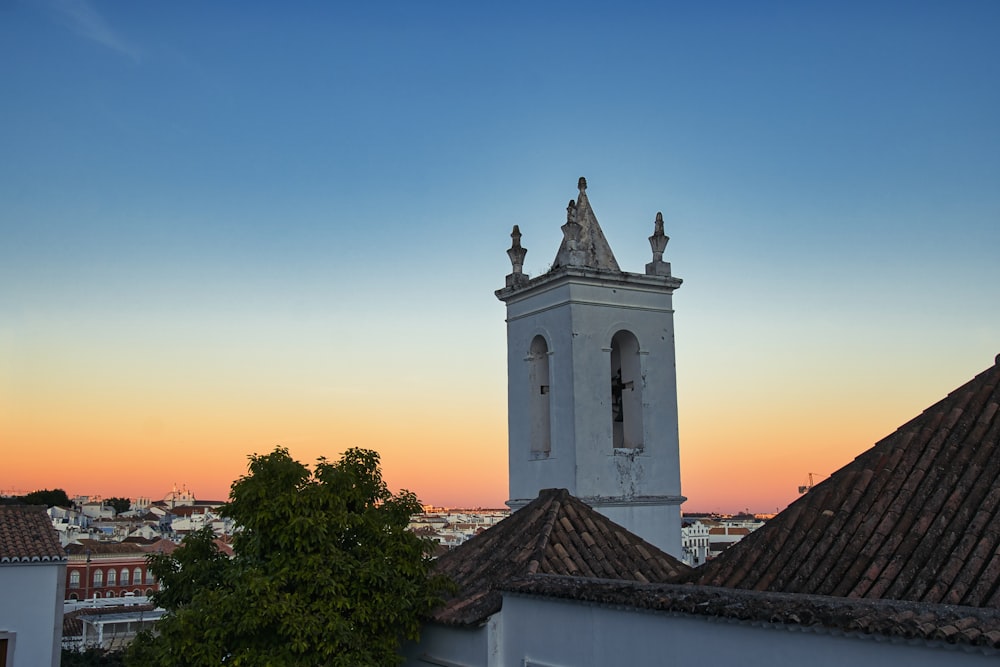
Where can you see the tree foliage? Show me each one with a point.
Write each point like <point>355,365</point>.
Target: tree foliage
<point>47,497</point>
<point>196,565</point>
<point>119,504</point>
<point>92,657</point>
<point>325,572</point>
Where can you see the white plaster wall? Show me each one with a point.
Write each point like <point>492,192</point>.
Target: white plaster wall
<point>446,645</point>
<point>563,633</point>
<point>528,475</point>
<point>659,524</point>
<point>31,606</point>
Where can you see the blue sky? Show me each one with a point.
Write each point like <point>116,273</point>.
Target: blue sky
<point>254,204</point>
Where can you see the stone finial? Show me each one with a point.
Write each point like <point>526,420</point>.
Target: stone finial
<point>571,211</point>
<point>516,254</point>
<point>582,183</point>
<point>570,254</point>
<point>658,242</point>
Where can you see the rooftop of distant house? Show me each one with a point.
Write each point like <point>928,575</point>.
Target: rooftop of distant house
<point>27,535</point>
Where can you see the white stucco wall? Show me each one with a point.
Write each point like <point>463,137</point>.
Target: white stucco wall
<point>31,606</point>
<point>448,646</point>
<point>562,633</point>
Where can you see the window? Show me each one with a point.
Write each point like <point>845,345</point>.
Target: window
<point>98,578</point>
<point>137,576</point>
<point>6,649</point>
<point>123,581</point>
<point>149,577</point>
<point>539,384</point>
<point>626,392</point>
<point>112,577</point>
<point>74,579</point>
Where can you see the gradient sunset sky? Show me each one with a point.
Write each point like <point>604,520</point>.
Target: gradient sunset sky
<point>230,226</point>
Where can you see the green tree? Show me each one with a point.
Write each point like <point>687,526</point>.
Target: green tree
<point>119,504</point>
<point>53,498</point>
<point>196,565</point>
<point>92,657</point>
<point>325,572</point>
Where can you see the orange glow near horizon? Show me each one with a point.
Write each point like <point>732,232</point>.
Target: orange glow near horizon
<point>750,454</point>
<point>99,413</point>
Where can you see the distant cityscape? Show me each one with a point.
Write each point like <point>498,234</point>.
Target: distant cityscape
<point>108,585</point>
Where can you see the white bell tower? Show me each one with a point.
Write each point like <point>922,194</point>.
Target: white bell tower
<point>591,380</point>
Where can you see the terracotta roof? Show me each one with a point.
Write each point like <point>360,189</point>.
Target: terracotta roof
<point>27,535</point>
<point>223,546</point>
<point>161,546</point>
<point>553,534</point>
<point>969,626</point>
<point>96,547</point>
<point>73,625</point>
<point>916,517</point>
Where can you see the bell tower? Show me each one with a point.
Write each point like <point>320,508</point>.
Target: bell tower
<point>591,380</point>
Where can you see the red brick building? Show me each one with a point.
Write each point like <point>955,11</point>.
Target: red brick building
<point>107,570</point>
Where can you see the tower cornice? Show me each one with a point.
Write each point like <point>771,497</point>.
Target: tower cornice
<point>582,275</point>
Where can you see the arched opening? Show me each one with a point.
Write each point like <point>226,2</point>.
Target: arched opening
<point>98,578</point>
<point>626,392</point>
<point>539,388</point>
<point>74,579</point>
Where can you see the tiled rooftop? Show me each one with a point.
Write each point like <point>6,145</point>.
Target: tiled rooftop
<point>907,621</point>
<point>916,517</point>
<point>99,548</point>
<point>73,625</point>
<point>27,535</point>
<point>553,534</point>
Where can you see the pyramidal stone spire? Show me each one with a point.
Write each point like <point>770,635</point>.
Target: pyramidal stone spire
<point>583,243</point>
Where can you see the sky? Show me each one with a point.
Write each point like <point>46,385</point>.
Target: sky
<point>226,227</point>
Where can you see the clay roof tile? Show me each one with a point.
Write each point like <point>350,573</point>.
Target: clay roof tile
<point>27,535</point>
<point>913,518</point>
<point>554,534</point>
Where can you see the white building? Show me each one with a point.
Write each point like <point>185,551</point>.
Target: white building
<point>591,380</point>
<point>32,587</point>
<point>694,542</point>
<point>109,627</point>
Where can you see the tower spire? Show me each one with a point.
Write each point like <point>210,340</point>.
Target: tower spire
<point>590,248</point>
